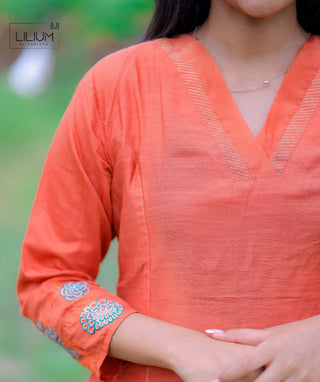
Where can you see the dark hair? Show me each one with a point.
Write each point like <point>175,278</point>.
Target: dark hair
<point>174,17</point>
<point>309,15</point>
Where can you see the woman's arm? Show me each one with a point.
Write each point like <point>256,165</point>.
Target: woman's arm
<point>190,354</point>
<point>69,232</point>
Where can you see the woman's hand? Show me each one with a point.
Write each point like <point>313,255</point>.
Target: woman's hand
<point>199,359</point>
<point>289,353</point>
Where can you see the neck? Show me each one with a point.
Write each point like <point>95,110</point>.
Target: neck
<point>269,43</point>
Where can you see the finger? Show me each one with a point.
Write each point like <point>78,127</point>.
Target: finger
<point>250,377</point>
<point>274,373</point>
<point>256,360</point>
<point>242,336</point>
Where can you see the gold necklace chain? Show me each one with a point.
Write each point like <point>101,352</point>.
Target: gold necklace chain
<point>263,85</point>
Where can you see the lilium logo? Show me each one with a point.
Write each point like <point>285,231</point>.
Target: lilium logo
<point>34,35</point>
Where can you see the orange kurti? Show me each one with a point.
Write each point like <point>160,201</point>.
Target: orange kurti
<point>216,228</point>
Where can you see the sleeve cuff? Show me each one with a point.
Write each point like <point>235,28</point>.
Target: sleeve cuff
<point>88,328</point>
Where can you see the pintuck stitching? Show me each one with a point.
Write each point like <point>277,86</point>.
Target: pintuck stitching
<point>204,106</point>
<point>294,132</point>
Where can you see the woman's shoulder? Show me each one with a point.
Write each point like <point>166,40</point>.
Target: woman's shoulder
<point>122,77</point>
<point>127,61</point>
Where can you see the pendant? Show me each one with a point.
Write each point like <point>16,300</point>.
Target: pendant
<point>266,84</point>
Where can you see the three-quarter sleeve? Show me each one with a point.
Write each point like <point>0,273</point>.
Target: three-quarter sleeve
<point>68,235</point>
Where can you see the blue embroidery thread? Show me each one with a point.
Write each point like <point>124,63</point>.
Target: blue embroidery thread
<point>99,314</point>
<point>73,290</point>
<point>53,336</point>
<point>40,326</point>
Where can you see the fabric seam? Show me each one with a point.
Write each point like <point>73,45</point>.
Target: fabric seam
<point>143,206</point>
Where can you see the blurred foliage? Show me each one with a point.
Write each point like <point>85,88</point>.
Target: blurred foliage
<point>119,18</point>
<point>34,10</point>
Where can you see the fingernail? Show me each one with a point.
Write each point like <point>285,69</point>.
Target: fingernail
<point>214,331</point>
<point>216,380</point>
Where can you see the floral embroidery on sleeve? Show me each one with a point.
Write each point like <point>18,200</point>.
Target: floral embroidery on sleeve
<point>40,326</point>
<point>53,336</point>
<point>73,290</point>
<point>99,314</point>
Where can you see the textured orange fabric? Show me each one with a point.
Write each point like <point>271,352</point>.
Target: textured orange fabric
<point>216,228</point>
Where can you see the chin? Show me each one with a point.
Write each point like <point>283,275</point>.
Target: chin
<point>262,8</point>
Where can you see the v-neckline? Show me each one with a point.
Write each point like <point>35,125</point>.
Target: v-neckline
<point>256,151</point>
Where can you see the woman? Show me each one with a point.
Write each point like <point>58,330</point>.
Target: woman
<point>201,154</point>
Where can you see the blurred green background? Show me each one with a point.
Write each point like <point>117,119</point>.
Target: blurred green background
<point>89,30</point>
